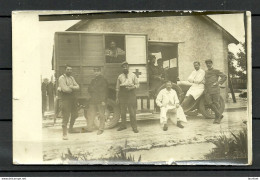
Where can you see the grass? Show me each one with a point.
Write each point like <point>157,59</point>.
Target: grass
<point>120,156</point>
<point>230,147</point>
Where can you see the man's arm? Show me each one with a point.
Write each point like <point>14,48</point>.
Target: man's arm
<point>159,99</point>
<point>75,84</point>
<point>199,79</point>
<point>191,77</point>
<point>117,89</point>
<point>222,76</point>
<point>63,85</point>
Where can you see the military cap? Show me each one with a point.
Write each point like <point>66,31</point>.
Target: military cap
<point>123,63</point>
<point>208,60</point>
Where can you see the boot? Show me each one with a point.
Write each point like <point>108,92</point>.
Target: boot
<point>64,130</point>
<point>71,130</point>
<point>216,111</point>
<point>179,124</point>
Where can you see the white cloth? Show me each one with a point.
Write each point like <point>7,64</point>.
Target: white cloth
<point>167,100</point>
<point>197,78</point>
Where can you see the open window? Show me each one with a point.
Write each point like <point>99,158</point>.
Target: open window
<point>115,48</point>
<point>168,52</point>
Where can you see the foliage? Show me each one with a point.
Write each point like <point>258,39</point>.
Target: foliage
<point>121,156</point>
<point>232,147</point>
<point>238,63</point>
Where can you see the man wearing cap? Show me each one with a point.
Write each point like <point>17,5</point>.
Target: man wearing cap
<point>98,90</point>
<point>126,85</point>
<point>212,89</point>
<point>67,87</point>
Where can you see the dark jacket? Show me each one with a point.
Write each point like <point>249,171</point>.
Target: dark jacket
<point>98,90</point>
<point>212,76</point>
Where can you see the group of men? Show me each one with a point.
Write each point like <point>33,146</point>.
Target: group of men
<point>98,89</point>
<point>202,82</point>
<point>127,83</point>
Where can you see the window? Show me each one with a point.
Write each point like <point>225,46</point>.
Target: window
<point>115,48</point>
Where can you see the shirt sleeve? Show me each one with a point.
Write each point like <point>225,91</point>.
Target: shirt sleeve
<point>159,99</point>
<point>191,77</point>
<point>75,84</point>
<point>63,85</point>
<point>136,82</point>
<point>200,78</point>
<point>222,76</point>
<point>176,99</point>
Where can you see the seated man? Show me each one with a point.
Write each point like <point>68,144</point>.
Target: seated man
<point>114,54</point>
<point>168,102</point>
<point>197,78</point>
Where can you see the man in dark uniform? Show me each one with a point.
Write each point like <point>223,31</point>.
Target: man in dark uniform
<point>156,74</point>
<point>212,89</point>
<point>51,93</point>
<point>44,95</point>
<point>98,90</point>
<point>126,85</point>
<point>68,86</point>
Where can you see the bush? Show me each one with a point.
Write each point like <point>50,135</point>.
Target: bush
<point>232,147</point>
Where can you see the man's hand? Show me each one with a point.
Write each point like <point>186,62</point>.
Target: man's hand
<point>103,103</point>
<point>177,105</point>
<point>130,88</point>
<point>216,84</point>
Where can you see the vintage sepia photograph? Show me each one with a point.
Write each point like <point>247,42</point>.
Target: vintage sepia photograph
<point>162,88</point>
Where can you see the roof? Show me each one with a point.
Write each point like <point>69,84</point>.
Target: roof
<point>206,18</point>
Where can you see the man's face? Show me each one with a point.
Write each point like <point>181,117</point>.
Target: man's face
<point>97,72</point>
<point>168,86</point>
<point>152,60</point>
<point>125,68</point>
<point>112,45</point>
<point>46,81</point>
<point>160,63</point>
<point>68,71</point>
<point>196,66</point>
<point>209,64</point>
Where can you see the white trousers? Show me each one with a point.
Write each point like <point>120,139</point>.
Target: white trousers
<point>172,113</point>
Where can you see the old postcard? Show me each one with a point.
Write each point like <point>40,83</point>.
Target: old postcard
<point>111,87</point>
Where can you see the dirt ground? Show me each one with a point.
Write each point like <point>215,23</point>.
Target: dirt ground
<point>198,130</point>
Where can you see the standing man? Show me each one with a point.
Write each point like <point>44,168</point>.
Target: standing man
<point>126,85</point>
<point>51,93</point>
<point>197,78</point>
<point>44,95</point>
<point>212,89</point>
<point>98,90</point>
<point>68,86</point>
<point>168,102</point>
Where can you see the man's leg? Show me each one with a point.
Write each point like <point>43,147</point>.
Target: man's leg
<point>210,101</point>
<point>74,115</point>
<point>102,118</point>
<point>186,102</point>
<point>218,115</point>
<point>132,113</point>
<point>65,117</point>
<point>163,118</point>
<point>123,108</point>
<point>91,114</point>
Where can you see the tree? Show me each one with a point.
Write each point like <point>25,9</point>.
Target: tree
<point>238,63</point>
<point>242,62</point>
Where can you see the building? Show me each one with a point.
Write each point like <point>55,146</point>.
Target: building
<point>184,39</point>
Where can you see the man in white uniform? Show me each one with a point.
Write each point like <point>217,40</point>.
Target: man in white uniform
<point>168,102</point>
<point>197,78</point>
